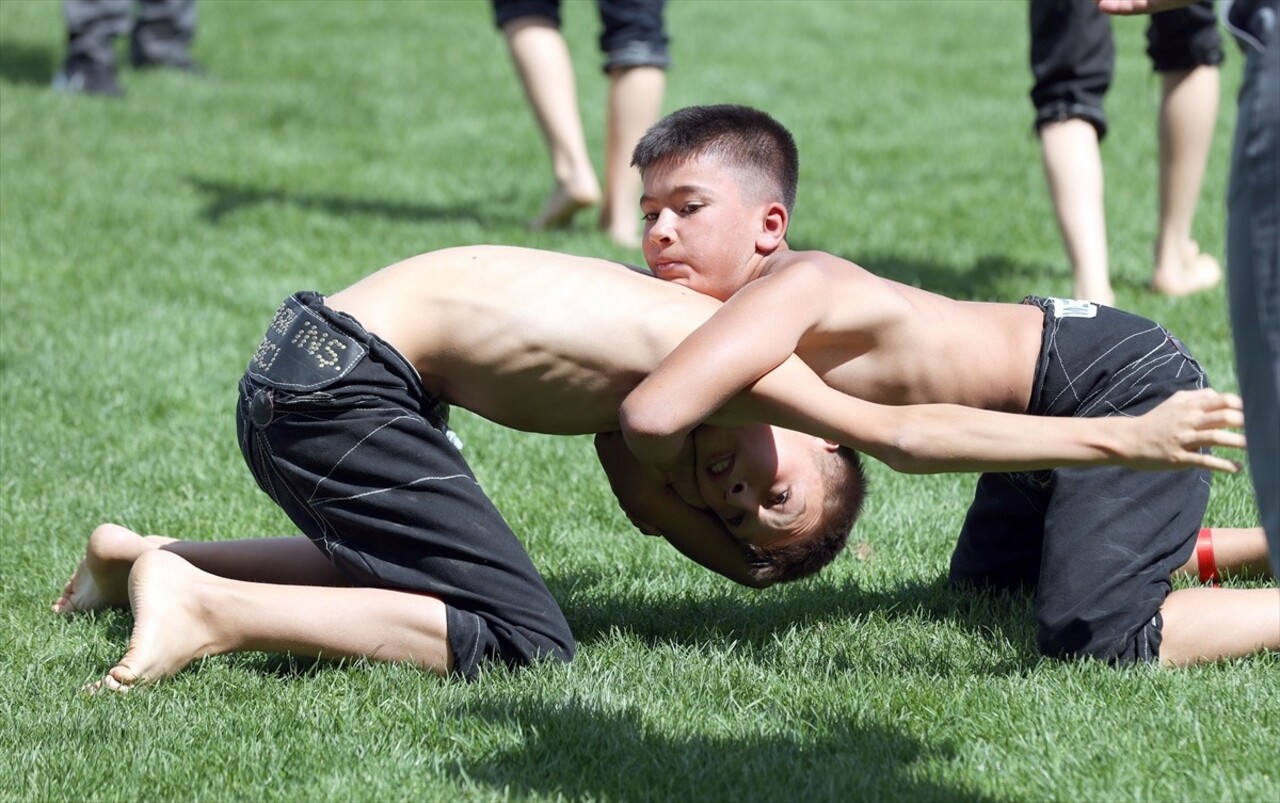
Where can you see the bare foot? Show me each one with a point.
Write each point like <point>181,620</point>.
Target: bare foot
<point>102,578</point>
<point>168,632</point>
<point>1196,273</point>
<point>565,202</point>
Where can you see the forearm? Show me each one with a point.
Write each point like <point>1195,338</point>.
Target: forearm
<point>932,438</point>
<point>1132,7</point>
<point>656,508</point>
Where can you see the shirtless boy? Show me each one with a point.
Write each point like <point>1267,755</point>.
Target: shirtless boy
<point>340,419</point>
<point>1097,544</point>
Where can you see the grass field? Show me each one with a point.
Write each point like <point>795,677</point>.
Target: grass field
<point>144,244</point>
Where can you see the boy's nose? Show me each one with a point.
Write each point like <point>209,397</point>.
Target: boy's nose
<point>661,228</point>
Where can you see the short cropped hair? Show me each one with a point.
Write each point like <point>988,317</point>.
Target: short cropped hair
<point>745,138</point>
<point>846,490</point>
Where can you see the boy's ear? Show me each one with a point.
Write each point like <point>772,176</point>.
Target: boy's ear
<point>773,231</point>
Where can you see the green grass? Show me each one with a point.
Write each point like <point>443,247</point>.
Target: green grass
<point>144,244</point>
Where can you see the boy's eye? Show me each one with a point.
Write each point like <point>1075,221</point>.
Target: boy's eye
<point>649,217</point>
<point>734,521</point>
<point>689,209</point>
<point>778,499</point>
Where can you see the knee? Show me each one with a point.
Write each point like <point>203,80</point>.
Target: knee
<point>1064,109</point>
<point>1080,639</point>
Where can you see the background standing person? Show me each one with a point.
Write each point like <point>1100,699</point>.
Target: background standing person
<point>160,35</point>
<point>634,42</point>
<point>1253,238</point>
<point>1072,60</point>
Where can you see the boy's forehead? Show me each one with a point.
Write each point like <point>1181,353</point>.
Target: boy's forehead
<point>706,172</point>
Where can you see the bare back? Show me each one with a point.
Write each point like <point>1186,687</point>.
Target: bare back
<point>890,343</point>
<point>533,340</point>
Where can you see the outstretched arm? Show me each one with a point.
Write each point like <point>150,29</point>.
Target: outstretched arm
<point>1128,7</point>
<point>930,438</point>
<point>656,506</point>
<point>747,345</point>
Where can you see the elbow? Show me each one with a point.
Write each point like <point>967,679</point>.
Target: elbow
<point>903,453</point>
<point>642,422</point>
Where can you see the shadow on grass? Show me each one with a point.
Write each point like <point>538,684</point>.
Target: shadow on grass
<point>226,199</point>
<point>993,277</point>
<point>24,63</point>
<point>753,622</point>
<point>580,752</point>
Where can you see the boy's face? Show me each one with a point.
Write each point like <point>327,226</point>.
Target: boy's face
<point>701,225</point>
<point>764,484</point>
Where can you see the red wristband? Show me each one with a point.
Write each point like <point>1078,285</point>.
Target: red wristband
<point>1204,556</point>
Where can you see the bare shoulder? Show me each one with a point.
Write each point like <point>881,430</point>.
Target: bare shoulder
<point>822,277</point>
<point>816,268</point>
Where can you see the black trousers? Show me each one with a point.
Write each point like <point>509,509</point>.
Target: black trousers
<point>160,32</point>
<point>1098,544</point>
<point>337,429</point>
<point>1073,54</point>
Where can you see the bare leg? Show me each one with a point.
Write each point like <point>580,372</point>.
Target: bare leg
<point>1237,552</point>
<point>182,614</point>
<point>635,101</point>
<point>101,580</point>
<point>542,59</point>
<point>1188,112</point>
<point>1073,167</point>
<point>1209,624</point>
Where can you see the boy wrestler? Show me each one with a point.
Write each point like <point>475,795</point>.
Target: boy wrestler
<point>1098,544</point>
<point>341,418</point>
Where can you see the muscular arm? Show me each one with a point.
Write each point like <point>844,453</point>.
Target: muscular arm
<point>657,508</point>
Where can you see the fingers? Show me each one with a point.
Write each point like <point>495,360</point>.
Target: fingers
<point>1208,399</point>
<point>1222,419</point>
<point>1214,463</point>
<point>1208,410</point>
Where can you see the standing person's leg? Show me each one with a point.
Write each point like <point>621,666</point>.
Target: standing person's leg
<point>92,28</point>
<point>1185,49</point>
<point>1253,254</point>
<point>162,34</point>
<point>542,59</point>
<point>1073,168</point>
<point>1072,60</point>
<point>634,42</point>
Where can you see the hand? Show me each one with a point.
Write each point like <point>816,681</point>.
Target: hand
<point>1171,435</point>
<point>1124,8</point>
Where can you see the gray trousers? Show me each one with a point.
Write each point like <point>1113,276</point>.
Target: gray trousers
<point>159,33</point>
<point>1253,251</point>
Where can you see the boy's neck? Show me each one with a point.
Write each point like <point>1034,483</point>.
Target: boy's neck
<point>772,261</point>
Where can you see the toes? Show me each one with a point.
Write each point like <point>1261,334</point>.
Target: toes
<point>120,679</point>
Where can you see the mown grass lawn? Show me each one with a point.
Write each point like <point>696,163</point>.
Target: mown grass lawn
<point>144,243</point>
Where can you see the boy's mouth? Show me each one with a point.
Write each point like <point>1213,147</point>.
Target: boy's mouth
<point>663,270</point>
<point>720,467</point>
